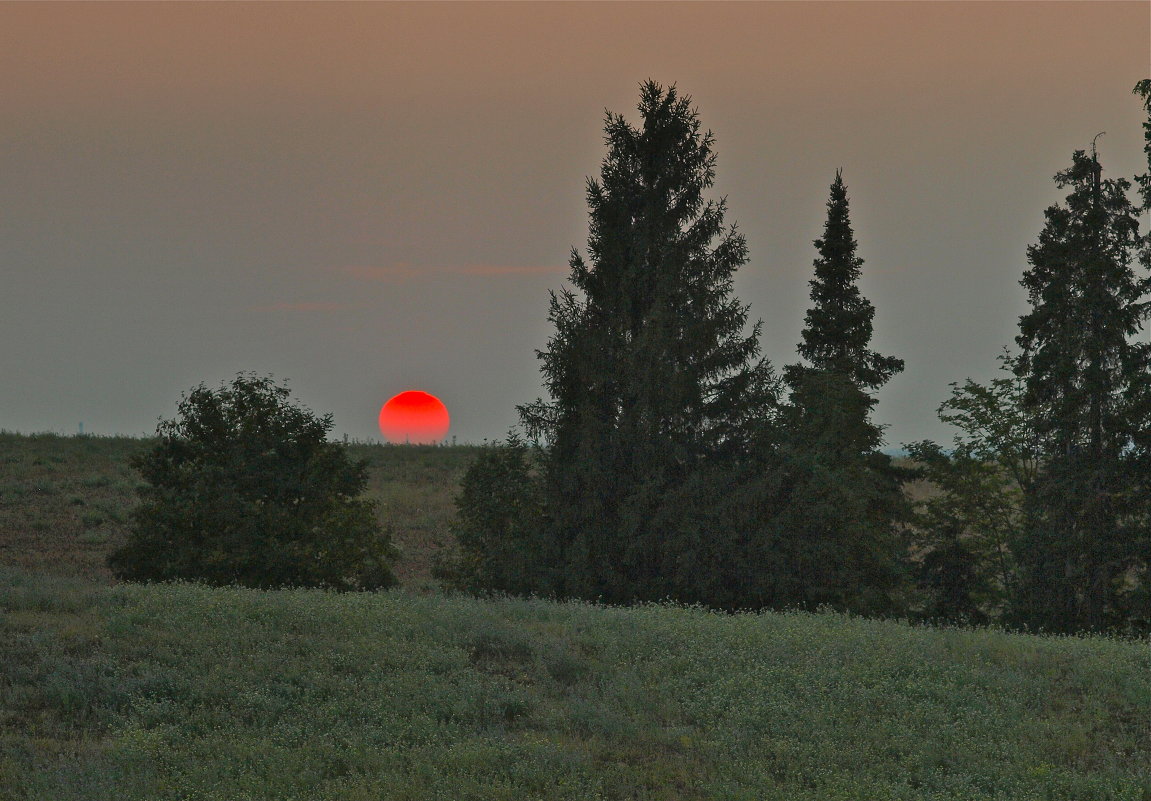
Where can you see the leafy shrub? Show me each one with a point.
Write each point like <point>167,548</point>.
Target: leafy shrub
<point>243,488</point>
<point>499,525</point>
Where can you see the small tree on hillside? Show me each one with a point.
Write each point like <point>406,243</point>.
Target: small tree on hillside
<point>969,529</point>
<point>243,488</point>
<point>499,528</point>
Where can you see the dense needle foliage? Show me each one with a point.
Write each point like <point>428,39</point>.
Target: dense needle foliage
<point>1044,514</point>
<point>1143,90</point>
<point>651,377</point>
<point>1089,391</point>
<point>838,327</point>
<point>839,522</point>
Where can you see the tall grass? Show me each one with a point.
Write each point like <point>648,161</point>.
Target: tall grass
<point>180,691</point>
<point>65,501</point>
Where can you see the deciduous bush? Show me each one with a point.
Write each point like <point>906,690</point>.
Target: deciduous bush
<point>500,525</point>
<point>244,488</point>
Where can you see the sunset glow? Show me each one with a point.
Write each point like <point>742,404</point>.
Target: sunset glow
<point>213,187</point>
<point>414,417</point>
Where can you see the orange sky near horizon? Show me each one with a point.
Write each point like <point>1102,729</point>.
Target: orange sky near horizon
<point>117,55</point>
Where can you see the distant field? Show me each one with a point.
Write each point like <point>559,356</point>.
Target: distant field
<point>64,501</point>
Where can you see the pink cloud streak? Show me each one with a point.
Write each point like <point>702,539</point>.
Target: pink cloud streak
<point>408,272</point>
<point>301,306</point>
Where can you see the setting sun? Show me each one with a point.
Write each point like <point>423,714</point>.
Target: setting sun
<point>414,417</point>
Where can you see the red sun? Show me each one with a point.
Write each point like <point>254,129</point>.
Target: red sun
<point>415,417</point>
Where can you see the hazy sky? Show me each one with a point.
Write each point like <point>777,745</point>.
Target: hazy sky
<point>368,198</point>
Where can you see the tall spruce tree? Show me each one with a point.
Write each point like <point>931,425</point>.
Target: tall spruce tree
<point>1087,391</point>
<point>649,371</point>
<point>846,500</point>
<point>1140,599</point>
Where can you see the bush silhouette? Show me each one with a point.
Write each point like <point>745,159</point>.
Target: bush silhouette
<point>499,525</point>
<point>244,488</point>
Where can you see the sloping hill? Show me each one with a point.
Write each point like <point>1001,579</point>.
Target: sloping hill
<point>178,691</point>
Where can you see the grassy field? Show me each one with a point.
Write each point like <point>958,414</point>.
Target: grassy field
<point>149,693</point>
<point>64,501</point>
<point>182,692</point>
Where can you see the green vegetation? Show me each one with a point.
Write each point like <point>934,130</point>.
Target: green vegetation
<point>244,488</point>
<point>184,691</point>
<point>54,489</point>
<point>669,466</point>
<point>499,531</point>
<point>652,381</point>
<point>669,460</point>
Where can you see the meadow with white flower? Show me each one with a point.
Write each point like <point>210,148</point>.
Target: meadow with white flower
<point>187,692</point>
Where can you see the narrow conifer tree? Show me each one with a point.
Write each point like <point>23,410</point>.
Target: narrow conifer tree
<point>649,370</point>
<point>838,327</point>
<point>1087,388</point>
<point>846,547</point>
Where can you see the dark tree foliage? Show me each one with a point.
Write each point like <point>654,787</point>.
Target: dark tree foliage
<point>717,532</point>
<point>844,505</point>
<point>967,533</point>
<point>500,528</point>
<point>964,566</point>
<point>838,327</point>
<point>997,426</point>
<point>1139,600</point>
<point>1087,388</point>
<point>837,537</point>
<point>1143,89</point>
<point>649,372</point>
<point>243,488</point>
